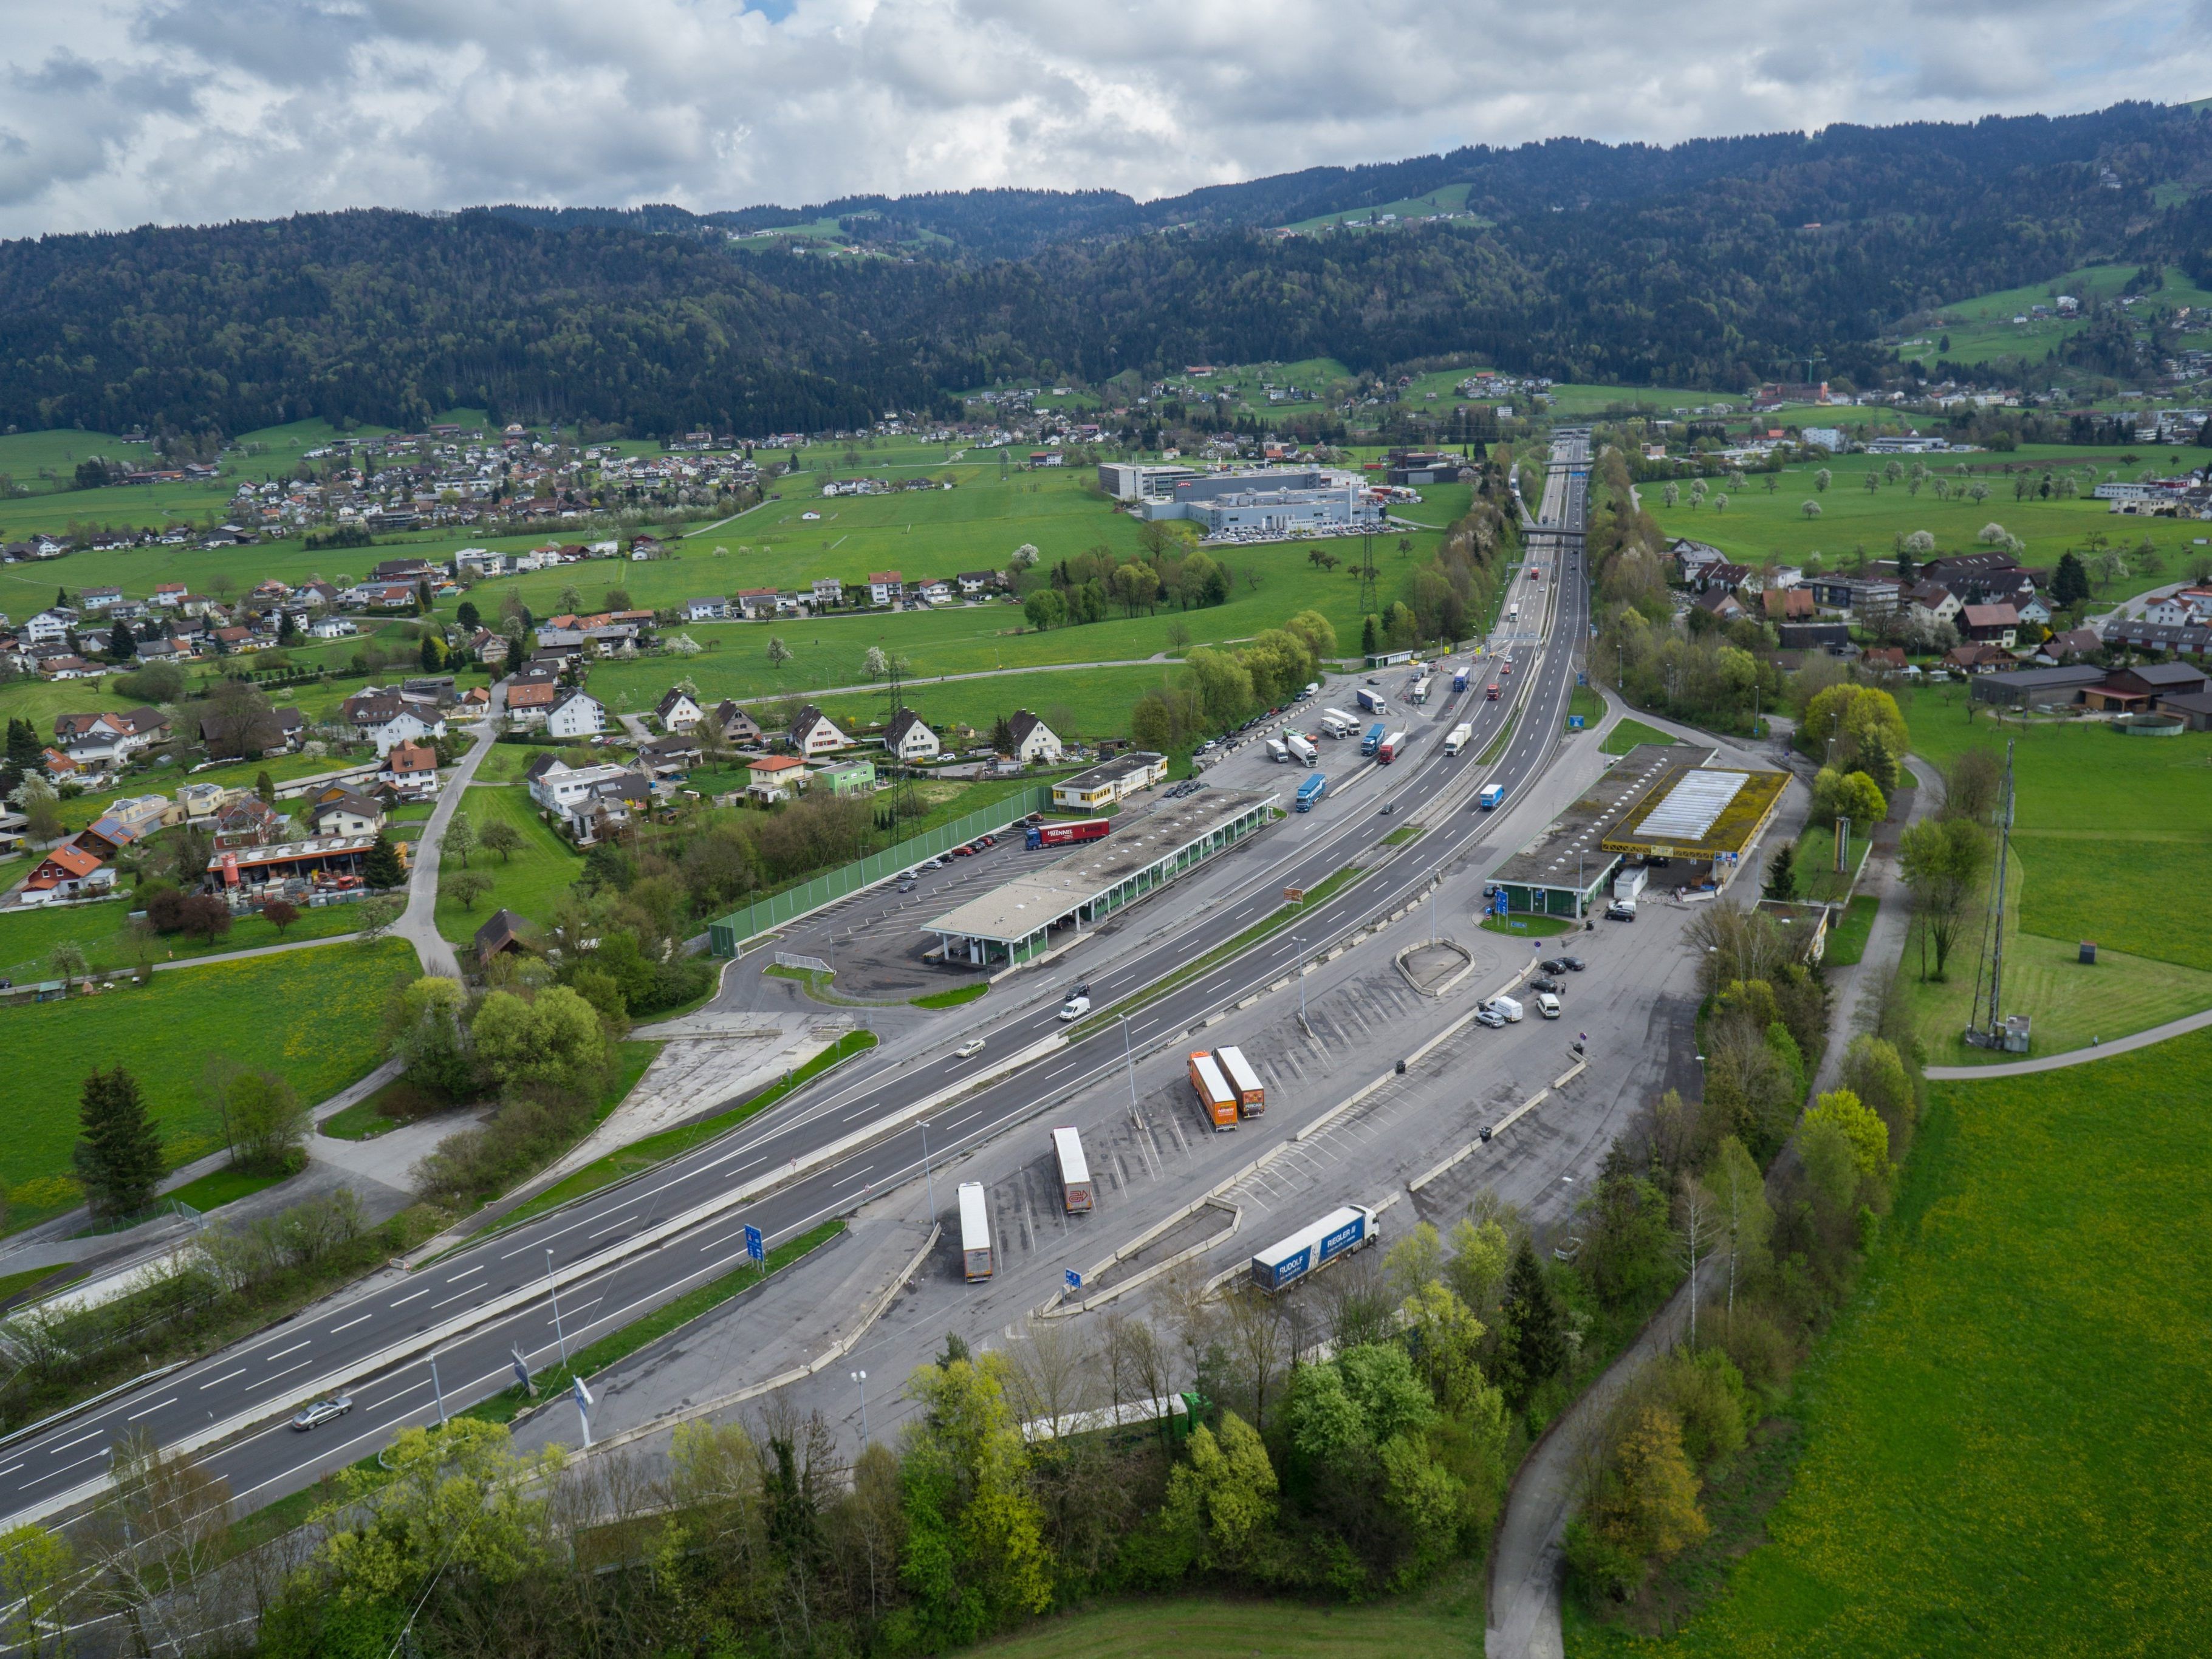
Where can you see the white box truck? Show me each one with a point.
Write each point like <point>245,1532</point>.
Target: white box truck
<point>1509,1007</point>
<point>1302,749</point>
<point>1076,1195</point>
<point>1456,738</point>
<point>1629,883</point>
<point>1278,750</point>
<point>1337,723</point>
<point>974,1231</point>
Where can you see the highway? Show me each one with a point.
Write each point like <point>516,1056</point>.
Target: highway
<point>486,1301</point>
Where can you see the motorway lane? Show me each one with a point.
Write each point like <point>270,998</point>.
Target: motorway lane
<point>268,1371</point>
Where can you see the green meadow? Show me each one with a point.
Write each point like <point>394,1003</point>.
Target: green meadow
<point>2003,1432</point>
<point>1982,328</point>
<point>531,882</point>
<point>315,1017</point>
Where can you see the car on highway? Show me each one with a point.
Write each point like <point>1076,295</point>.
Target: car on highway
<point>1573,964</point>
<point>969,1049</point>
<point>1075,1007</point>
<point>319,1411</point>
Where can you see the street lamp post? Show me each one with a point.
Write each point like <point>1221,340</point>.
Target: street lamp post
<point>1129,1056</point>
<point>860,1382</point>
<point>559,1335</point>
<point>929,1180</point>
<point>1299,941</point>
<point>437,1388</point>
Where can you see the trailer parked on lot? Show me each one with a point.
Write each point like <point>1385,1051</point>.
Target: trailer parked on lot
<point>1076,1195</point>
<point>1373,741</point>
<point>975,1230</point>
<point>1337,723</point>
<point>1068,835</point>
<point>1215,1097</point>
<point>1372,702</point>
<point>1336,1233</point>
<point>1302,749</point>
<point>1243,1081</point>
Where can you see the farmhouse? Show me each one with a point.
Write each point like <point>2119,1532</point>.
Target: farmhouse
<point>908,737</point>
<point>1035,742</point>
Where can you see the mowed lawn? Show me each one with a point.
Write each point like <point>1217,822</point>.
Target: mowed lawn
<point>1444,1621</point>
<point>2113,831</point>
<point>314,1016</point>
<point>1086,702</point>
<point>2005,1449</point>
<point>531,883</point>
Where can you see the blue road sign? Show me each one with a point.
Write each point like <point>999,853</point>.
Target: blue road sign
<point>521,1371</point>
<point>1581,679</point>
<point>1498,902</point>
<point>1075,1279</point>
<point>753,1246</point>
<point>1574,722</point>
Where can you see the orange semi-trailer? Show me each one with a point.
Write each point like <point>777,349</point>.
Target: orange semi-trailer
<point>1215,1097</point>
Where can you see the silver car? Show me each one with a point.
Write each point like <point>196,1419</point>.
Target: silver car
<point>323,1411</point>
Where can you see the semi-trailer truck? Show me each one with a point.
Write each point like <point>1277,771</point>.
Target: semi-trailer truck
<point>1215,1098</point>
<point>1243,1082</point>
<point>1278,750</point>
<point>1393,746</point>
<point>1460,678</point>
<point>1372,702</point>
<point>1310,791</point>
<point>1492,794</point>
<point>1336,1233</point>
<point>1068,835</point>
<point>1420,691</point>
<point>974,1231</point>
<point>1456,738</point>
<point>1302,749</point>
<point>1076,1194</point>
<point>1337,723</point>
<point>1373,741</point>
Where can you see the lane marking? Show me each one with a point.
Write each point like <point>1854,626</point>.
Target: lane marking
<point>151,1409</point>
<point>225,1377</point>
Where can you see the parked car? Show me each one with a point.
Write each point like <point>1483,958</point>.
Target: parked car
<point>1489,1016</point>
<point>313,1416</point>
<point>1553,965</point>
<point>906,887</point>
<point>1546,983</point>
<point>1621,912</point>
<point>1574,964</point>
<point>969,1049</point>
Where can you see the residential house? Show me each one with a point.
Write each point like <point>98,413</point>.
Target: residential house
<point>1977,659</point>
<point>585,800</point>
<point>388,718</point>
<point>2138,690</point>
<point>738,725</point>
<point>1992,624</point>
<point>670,757</point>
<point>934,591</point>
<point>505,934</point>
<point>772,777</point>
<point>1794,604</point>
<point>1721,604</point>
<point>885,587</point>
<point>68,872</point>
<point>710,609</point>
<point>974,584</point>
<point>199,803</point>
<point>49,626</point>
<point>333,627</point>
<point>1883,659</point>
<point>249,821</point>
<point>345,813</point>
<point>169,595</point>
<point>64,666</point>
<point>576,714</point>
<point>1932,606</point>
<point>2070,645</point>
<point>529,701</point>
<point>854,776</point>
<point>754,603</point>
<point>826,593</point>
<point>409,771</point>
<point>814,733</point>
<point>2183,640</point>
<point>1035,742</point>
<point>678,710</point>
<point>908,737</point>
<point>100,599</point>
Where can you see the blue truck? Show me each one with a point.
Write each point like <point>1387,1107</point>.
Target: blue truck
<point>1373,741</point>
<point>1459,679</point>
<point>1492,794</point>
<point>1336,1233</point>
<point>1310,791</point>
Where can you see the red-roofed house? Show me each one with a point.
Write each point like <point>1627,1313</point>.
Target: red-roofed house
<point>68,872</point>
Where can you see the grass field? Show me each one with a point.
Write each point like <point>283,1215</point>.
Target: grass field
<point>532,883</point>
<point>1076,702</point>
<point>1817,877</point>
<point>1758,526</point>
<point>2004,1451</point>
<point>312,1016</point>
<point>1626,735</point>
<point>1847,933</point>
<point>1444,1620</point>
<point>1982,328</point>
<point>222,1187</point>
<point>2110,828</point>
<point>110,940</point>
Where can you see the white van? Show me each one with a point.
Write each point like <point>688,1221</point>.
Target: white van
<point>1509,1007</point>
<point>1075,1007</point>
<point>1547,1004</point>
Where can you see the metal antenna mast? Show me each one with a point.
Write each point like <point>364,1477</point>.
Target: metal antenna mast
<point>1989,1032</point>
<point>1367,574</point>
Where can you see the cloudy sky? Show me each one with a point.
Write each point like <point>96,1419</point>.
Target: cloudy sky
<point>120,111</point>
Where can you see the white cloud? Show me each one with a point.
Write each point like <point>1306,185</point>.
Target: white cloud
<point>120,112</point>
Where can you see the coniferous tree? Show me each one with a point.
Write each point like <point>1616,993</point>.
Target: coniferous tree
<point>2069,583</point>
<point>118,1157</point>
<point>1782,872</point>
<point>1535,1345</point>
<point>383,868</point>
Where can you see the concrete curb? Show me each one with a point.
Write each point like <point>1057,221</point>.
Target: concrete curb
<point>1053,1309</point>
<point>1467,959</point>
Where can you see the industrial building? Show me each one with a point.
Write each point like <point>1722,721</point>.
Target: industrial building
<point>1014,923</point>
<point>1258,505</point>
<point>1659,801</point>
<point>1110,781</point>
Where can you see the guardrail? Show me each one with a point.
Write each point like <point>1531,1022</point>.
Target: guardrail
<point>724,936</point>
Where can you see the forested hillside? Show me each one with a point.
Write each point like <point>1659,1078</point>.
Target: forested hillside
<point>1717,262</point>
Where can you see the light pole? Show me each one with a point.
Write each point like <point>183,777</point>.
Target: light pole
<point>559,1335</point>
<point>929,1180</point>
<point>437,1388</point>
<point>860,1382</point>
<point>1129,1056</point>
<point>1299,941</point>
